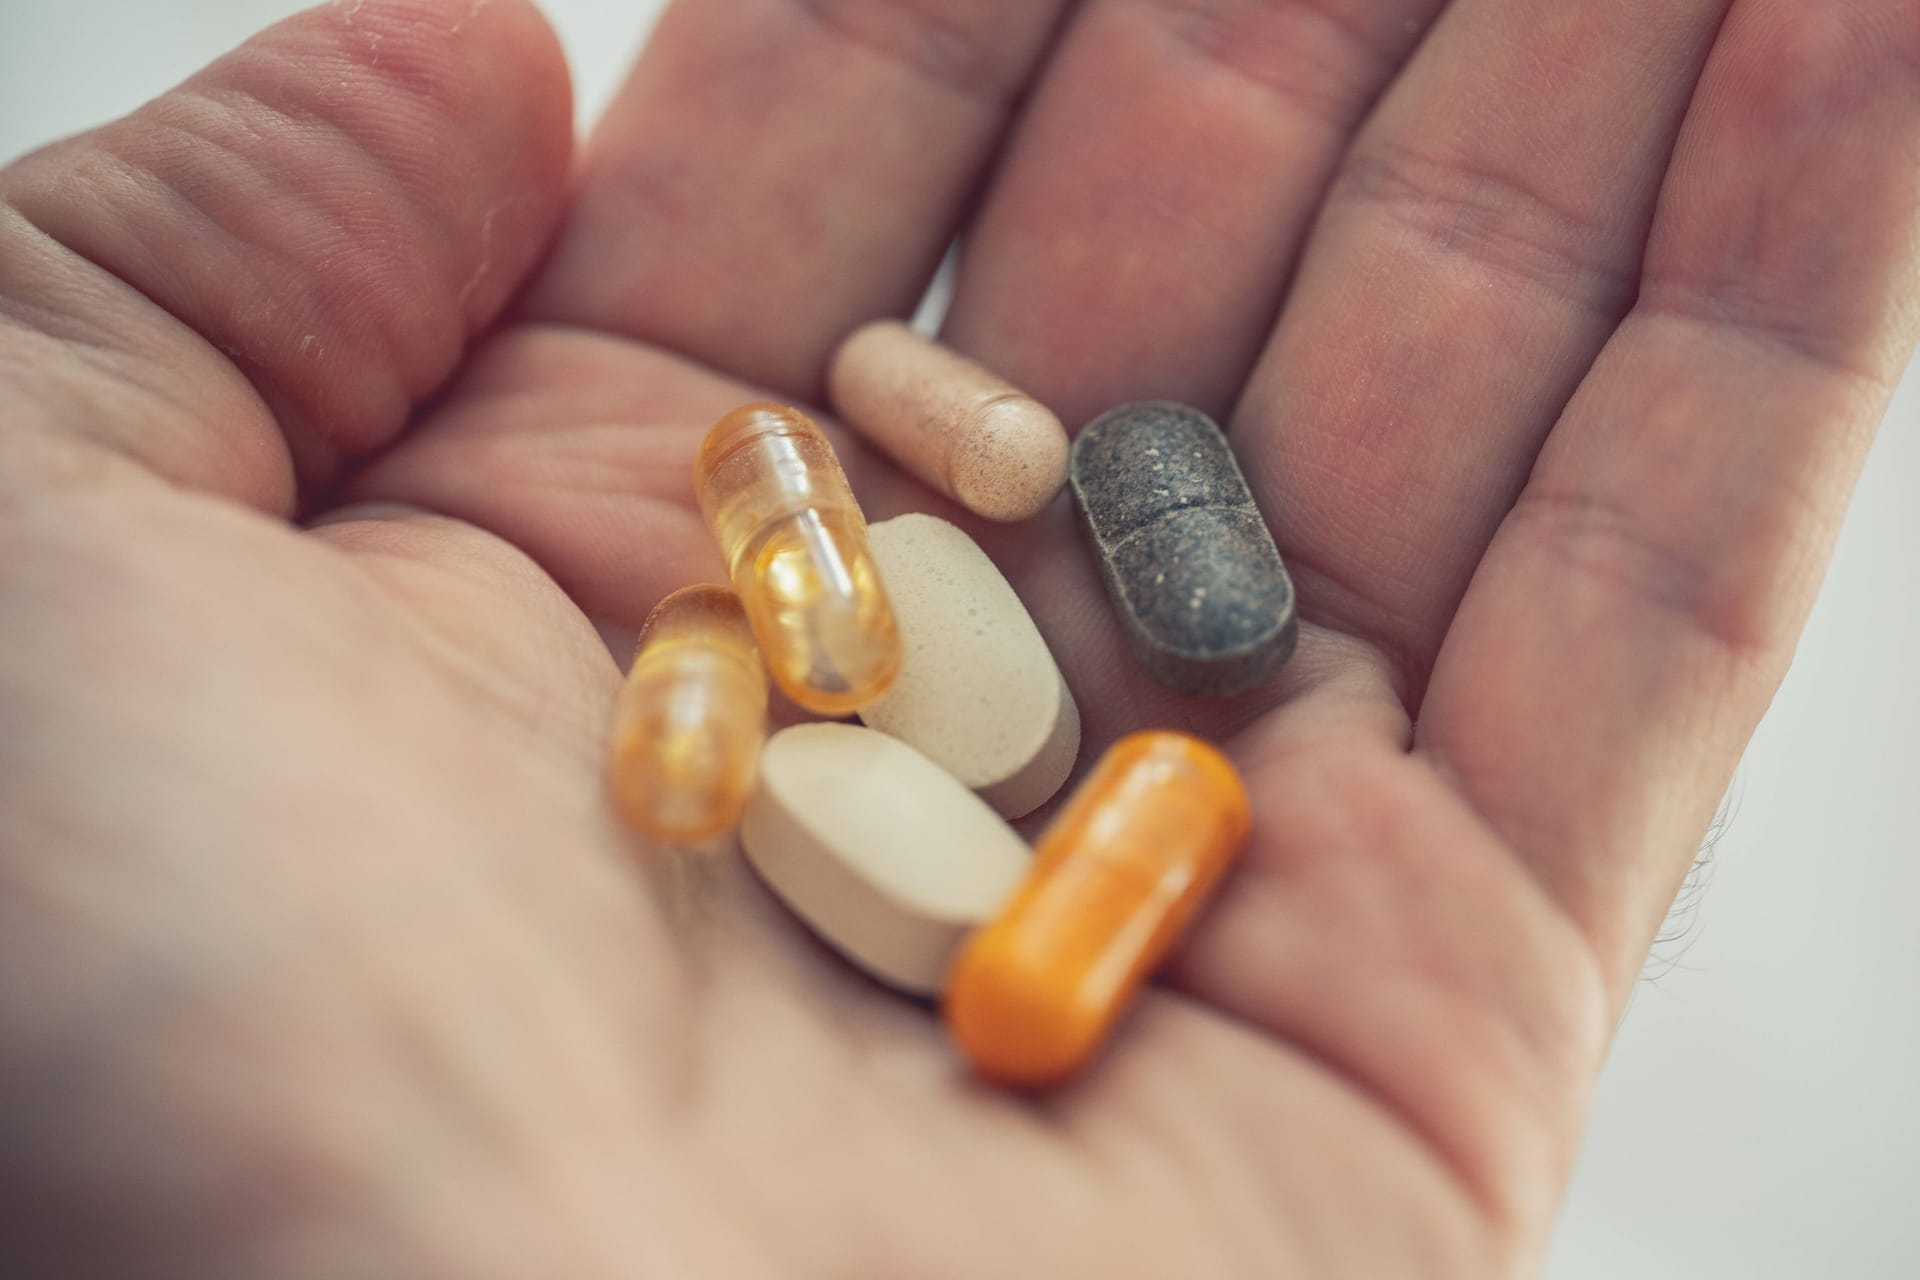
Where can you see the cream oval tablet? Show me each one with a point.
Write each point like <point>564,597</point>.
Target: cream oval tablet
<point>978,691</point>
<point>889,859</point>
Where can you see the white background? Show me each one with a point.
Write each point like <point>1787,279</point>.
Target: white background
<point>1759,1117</point>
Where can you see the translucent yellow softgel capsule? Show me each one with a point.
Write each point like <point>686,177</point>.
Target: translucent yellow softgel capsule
<point>796,544</point>
<point>691,720</point>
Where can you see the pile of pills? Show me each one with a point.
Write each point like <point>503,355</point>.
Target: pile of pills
<point>891,840</point>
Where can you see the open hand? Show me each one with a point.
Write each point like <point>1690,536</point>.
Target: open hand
<point>338,405</point>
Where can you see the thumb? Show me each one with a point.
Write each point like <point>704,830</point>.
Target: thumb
<point>251,280</point>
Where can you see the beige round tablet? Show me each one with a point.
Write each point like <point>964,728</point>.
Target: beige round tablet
<point>978,692</point>
<point>876,847</point>
<point>960,428</point>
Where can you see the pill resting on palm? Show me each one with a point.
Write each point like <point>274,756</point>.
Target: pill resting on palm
<point>1115,879</point>
<point>955,425</point>
<point>795,542</point>
<point>881,851</point>
<point>1187,558</point>
<point>978,693</point>
<point>690,720</point>
<point>891,841</point>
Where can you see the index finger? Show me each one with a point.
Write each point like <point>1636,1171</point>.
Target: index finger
<point>776,171</point>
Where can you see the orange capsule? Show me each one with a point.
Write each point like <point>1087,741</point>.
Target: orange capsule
<point>1115,879</point>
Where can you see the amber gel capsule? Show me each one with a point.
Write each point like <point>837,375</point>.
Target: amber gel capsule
<point>1115,879</point>
<point>774,495</point>
<point>691,720</point>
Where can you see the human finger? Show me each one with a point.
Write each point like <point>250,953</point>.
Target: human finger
<point>1137,239</point>
<point>777,171</point>
<point>257,276</point>
<point>1641,602</point>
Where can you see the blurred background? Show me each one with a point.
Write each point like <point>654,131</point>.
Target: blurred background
<point>1760,1116</point>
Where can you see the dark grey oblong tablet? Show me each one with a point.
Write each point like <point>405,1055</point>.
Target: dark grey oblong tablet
<point>1188,559</point>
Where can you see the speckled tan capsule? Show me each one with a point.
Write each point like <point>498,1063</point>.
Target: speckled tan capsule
<point>958,427</point>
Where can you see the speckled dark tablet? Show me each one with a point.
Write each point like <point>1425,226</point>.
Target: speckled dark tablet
<point>1188,560</point>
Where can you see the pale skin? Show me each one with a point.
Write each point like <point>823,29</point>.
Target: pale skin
<point>339,402</point>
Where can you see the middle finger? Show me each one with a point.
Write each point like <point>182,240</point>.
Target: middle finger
<point>1138,236</point>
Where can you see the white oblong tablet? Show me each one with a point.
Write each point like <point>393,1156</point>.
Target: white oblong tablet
<point>887,857</point>
<point>978,691</point>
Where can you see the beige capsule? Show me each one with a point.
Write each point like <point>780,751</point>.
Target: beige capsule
<point>997,452</point>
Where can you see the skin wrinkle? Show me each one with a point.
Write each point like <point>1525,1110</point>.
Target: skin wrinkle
<point>1591,536</point>
<point>272,399</point>
<point>344,301</point>
<point>251,418</point>
<point>956,54</point>
<point>1212,24</point>
<point>1721,311</point>
<point>1460,207</point>
<point>242,110</point>
<point>280,275</point>
<point>1213,31</point>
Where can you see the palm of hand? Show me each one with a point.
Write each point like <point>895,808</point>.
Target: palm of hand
<point>343,913</point>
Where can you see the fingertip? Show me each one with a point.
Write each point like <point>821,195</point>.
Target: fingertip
<point>522,76</point>
<point>332,212</point>
<point>489,124</point>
